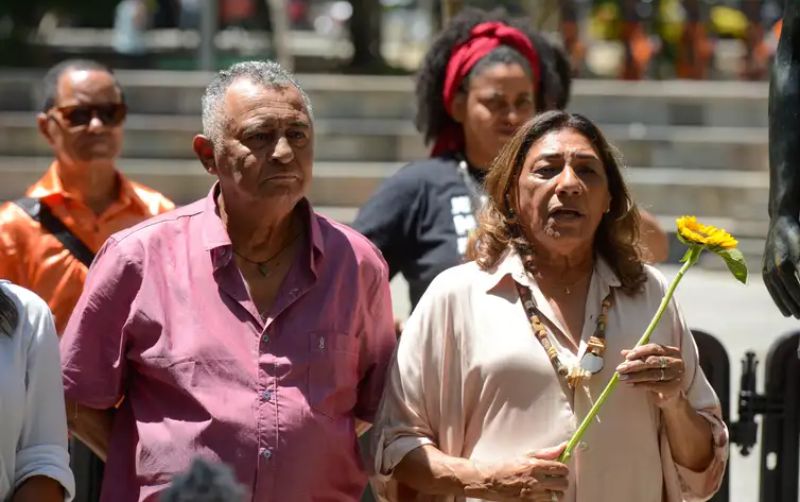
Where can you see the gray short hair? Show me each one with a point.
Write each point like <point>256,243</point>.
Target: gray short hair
<point>267,73</point>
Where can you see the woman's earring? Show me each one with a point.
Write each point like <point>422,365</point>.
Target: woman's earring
<point>512,216</point>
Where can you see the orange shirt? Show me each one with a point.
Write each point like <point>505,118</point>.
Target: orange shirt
<point>33,258</point>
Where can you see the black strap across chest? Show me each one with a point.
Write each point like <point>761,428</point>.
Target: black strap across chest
<point>39,211</point>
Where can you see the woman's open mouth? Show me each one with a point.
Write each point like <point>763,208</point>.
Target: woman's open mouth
<point>566,214</point>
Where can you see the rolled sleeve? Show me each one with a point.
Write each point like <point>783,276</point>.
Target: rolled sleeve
<point>413,400</point>
<point>377,345</point>
<point>702,485</point>
<point>395,451</point>
<point>93,345</point>
<point>42,449</point>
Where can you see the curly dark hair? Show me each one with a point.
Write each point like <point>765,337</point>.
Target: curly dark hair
<point>617,236</point>
<point>551,94</point>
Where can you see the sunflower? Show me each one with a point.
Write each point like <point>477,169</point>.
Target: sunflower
<point>698,238</point>
<point>693,232</point>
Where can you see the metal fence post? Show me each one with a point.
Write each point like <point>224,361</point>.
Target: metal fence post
<point>716,366</point>
<point>780,436</point>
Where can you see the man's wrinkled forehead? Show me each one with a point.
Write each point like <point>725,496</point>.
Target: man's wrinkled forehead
<point>244,96</point>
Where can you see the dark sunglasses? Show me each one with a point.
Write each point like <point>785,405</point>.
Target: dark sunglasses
<point>81,115</point>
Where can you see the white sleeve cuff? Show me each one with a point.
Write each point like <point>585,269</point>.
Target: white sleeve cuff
<point>389,455</point>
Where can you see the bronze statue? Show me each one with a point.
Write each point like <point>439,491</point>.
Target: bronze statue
<point>782,251</point>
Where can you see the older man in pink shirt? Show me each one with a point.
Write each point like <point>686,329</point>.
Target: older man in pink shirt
<point>243,328</point>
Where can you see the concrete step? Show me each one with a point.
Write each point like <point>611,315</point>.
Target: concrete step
<point>179,93</point>
<point>733,196</point>
<point>725,104</point>
<point>169,136</point>
<point>734,200</point>
<point>672,102</point>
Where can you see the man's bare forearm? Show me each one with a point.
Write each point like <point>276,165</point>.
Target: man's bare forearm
<point>39,489</point>
<point>92,427</point>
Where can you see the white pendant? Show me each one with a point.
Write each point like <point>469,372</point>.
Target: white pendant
<point>591,362</point>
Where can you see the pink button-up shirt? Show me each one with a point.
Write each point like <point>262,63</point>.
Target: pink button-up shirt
<point>166,322</point>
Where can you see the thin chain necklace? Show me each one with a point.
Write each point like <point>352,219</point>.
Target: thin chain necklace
<point>477,195</point>
<point>262,265</point>
<point>568,288</point>
<point>592,360</point>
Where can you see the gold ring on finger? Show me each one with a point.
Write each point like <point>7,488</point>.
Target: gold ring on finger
<point>662,362</point>
<point>553,496</point>
<point>662,377</point>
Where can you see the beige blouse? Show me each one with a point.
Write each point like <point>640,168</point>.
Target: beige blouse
<point>471,378</point>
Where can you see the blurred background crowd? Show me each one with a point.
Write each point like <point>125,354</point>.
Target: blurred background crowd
<point>632,39</point>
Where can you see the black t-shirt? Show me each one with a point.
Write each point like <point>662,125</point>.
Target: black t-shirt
<point>421,218</point>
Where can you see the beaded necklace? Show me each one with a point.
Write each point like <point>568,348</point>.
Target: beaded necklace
<point>592,360</point>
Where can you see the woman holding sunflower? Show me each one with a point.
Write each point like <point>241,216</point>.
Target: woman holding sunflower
<point>503,357</point>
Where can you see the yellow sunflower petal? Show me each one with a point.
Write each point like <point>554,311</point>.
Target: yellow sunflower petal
<point>708,236</point>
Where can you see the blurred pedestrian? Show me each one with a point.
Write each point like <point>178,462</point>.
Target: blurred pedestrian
<point>48,238</point>
<point>131,20</point>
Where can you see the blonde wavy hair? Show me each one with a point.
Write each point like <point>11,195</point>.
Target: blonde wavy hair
<point>617,237</point>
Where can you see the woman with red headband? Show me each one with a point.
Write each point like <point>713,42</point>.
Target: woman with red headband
<point>483,77</point>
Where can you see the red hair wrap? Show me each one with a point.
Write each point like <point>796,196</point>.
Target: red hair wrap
<point>484,38</point>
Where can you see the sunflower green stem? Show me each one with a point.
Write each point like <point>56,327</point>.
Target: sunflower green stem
<point>690,259</point>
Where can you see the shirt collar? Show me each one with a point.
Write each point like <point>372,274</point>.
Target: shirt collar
<point>217,241</point>
<point>510,265</point>
<point>50,187</point>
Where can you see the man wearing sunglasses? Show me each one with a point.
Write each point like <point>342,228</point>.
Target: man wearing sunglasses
<point>49,237</point>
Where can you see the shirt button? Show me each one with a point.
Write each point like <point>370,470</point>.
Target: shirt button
<point>266,453</point>
<point>266,395</point>
<point>265,338</point>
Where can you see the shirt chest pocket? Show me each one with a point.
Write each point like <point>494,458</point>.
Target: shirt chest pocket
<point>333,373</point>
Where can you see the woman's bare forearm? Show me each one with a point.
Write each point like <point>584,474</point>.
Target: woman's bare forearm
<point>91,426</point>
<point>689,434</point>
<point>432,472</point>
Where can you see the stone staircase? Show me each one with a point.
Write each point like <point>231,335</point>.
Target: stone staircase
<point>691,147</point>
